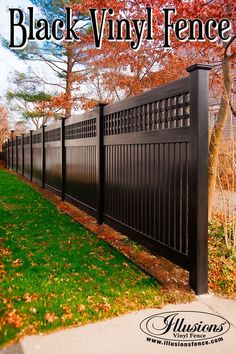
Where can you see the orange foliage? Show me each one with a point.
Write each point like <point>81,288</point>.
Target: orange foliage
<point>126,72</point>
<point>4,129</point>
<point>61,101</point>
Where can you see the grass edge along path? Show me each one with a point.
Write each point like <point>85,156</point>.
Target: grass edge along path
<point>54,273</point>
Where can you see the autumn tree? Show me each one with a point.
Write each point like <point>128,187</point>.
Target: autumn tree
<point>122,71</point>
<point>227,62</point>
<point>29,97</point>
<point>34,107</point>
<point>222,56</point>
<point>4,127</point>
<point>62,58</point>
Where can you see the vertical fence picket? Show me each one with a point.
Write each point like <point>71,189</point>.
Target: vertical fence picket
<point>22,155</point>
<point>8,153</point>
<point>43,156</point>
<point>31,155</point>
<point>63,159</point>
<point>16,152</point>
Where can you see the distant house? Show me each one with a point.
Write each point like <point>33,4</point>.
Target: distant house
<point>230,127</point>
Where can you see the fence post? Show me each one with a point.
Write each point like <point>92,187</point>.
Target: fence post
<point>12,157</point>
<point>43,156</point>
<point>8,153</point>
<point>22,155</point>
<point>198,178</point>
<point>16,148</point>
<point>31,155</point>
<point>7,160</point>
<point>100,163</point>
<point>63,159</point>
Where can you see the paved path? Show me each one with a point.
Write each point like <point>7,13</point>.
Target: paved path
<point>122,335</point>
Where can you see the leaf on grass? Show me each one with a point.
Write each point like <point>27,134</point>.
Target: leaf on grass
<point>50,317</point>
<point>5,251</point>
<point>87,280</point>
<point>67,316</point>
<point>52,295</point>
<point>65,308</point>
<point>90,298</point>
<point>33,310</point>
<point>93,266</point>
<point>81,308</point>
<point>106,307</point>
<point>68,265</point>
<point>103,307</point>
<point>17,263</point>
<point>19,275</point>
<point>14,319</point>
<point>2,273</point>
<point>30,297</point>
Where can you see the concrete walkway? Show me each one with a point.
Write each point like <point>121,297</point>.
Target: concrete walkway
<point>122,335</point>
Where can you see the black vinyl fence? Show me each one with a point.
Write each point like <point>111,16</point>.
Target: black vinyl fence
<point>139,165</point>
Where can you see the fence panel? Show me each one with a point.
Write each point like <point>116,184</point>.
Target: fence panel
<point>10,153</point>
<point>27,158</point>
<point>53,158</point>
<point>146,169</point>
<point>13,154</point>
<point>80,155</point>
<point>139,165</point>
<point>19,155</point>
<point>3,154</point>
<point>37,156</point>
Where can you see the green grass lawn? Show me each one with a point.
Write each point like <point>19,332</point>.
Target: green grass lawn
<point>54,273</point>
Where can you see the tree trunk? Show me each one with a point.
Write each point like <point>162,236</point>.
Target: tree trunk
<point>69,85</point>
<point>217,132</point>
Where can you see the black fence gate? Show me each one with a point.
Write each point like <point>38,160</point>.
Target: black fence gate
<point>139,165</point>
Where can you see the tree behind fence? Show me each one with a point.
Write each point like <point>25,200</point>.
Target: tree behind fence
<point>139,165</point>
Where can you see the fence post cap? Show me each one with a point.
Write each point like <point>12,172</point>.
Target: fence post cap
<point>101,104</point>
<point>194,67</point>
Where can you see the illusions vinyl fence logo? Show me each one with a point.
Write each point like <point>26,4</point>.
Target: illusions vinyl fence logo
<point>185,326</point>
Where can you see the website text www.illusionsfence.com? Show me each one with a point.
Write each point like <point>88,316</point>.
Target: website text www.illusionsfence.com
<point>185,344</point>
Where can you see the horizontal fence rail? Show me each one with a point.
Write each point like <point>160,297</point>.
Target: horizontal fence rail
<point>139,165</point>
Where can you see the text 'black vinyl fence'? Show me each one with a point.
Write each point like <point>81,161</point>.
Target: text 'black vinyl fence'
<point>139,165</point>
